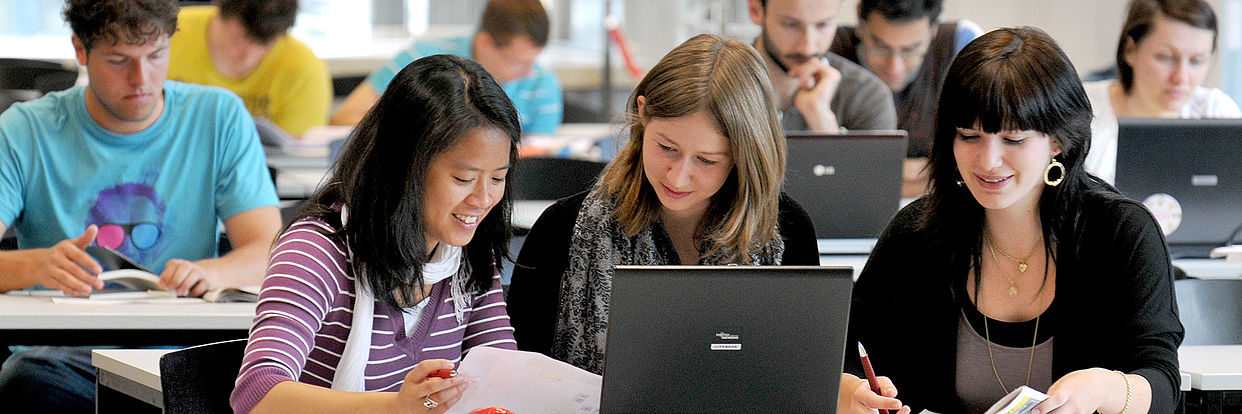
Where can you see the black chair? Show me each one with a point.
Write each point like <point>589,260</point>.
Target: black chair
<point>1211,310</point>
<point>26,79</point>
<point>552,178</point>
<point>199,379</point>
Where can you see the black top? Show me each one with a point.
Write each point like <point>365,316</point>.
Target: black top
<point>1114,305</point>
<point>534,291</point>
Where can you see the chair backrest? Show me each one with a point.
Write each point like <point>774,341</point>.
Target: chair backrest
<point>42,76</point>
<point>199,379</point>
<point>25,79</point>
<point>551,178</point>
<point>1211,310</point>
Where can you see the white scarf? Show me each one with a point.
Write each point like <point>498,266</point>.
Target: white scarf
<point>351,370</point>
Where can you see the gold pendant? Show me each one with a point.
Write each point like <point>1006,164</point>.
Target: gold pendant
<point>1013,290</point>
<point>1021,268</point>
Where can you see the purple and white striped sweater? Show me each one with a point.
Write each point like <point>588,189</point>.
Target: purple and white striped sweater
<point>306,307</point>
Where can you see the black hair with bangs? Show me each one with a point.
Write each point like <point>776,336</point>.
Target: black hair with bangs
<point>430,106</point>
<point>1010,79</point>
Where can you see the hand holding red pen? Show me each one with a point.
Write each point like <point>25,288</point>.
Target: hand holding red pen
<point>858,396</point>
<point>430,387</point>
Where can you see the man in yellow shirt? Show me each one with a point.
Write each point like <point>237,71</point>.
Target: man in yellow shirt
<point>243,46</point>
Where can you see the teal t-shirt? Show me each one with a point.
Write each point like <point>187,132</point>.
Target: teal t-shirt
<point>157,194</point>
<point>537,97</point>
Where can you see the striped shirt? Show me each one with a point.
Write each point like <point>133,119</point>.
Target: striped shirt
<point>306,307</point>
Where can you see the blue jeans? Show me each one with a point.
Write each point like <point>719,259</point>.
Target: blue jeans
<point>49,380</point>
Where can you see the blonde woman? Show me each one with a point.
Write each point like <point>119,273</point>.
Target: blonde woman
<point>697,183</point>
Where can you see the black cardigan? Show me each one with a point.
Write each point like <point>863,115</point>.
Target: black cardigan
<point>1114,304</point>
<point>534,291</point>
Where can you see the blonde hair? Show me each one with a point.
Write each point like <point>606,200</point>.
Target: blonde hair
<point>726,80</point>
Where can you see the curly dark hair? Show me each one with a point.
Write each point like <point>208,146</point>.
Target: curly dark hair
<point>264,20</point>
<point>113,21</point>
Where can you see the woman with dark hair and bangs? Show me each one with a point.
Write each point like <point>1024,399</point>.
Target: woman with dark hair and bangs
<point>390,272</point>
<point>1018,268</point>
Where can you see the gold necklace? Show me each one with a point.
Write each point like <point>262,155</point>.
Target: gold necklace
<point>1021,262</point>
<point>1013,282</point>
<point>1029,364</point>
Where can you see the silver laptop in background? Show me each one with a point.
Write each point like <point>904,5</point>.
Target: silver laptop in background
<point>849,183</point>
<point>1188,172</point>
<point>724,339</point>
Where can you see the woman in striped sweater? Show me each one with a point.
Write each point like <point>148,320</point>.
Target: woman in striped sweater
<point>389,272</point>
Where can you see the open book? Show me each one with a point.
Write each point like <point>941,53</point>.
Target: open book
<point>124,279</point>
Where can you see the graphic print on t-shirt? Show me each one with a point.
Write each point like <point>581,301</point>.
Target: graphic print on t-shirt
<point>130,217</point>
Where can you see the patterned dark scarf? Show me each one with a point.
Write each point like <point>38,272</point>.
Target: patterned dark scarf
<point>597,245</point>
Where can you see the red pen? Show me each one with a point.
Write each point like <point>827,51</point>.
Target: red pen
<point>866,363</point>
<point>443,373</point>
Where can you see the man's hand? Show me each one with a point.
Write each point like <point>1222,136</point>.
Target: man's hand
<point>65,265</point>
<point>186,278</point>
<point>817,85</point>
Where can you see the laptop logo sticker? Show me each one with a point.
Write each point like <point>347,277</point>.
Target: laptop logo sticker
<point>729,339</point>
<point>1203,180</point>
<point>1166,210</point>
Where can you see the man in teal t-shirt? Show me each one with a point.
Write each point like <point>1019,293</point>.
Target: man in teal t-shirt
<point>511,35</point>
<point>130,162</point>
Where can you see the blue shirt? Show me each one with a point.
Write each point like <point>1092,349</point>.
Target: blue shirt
<point>537,97</point>
<point>157,194</point>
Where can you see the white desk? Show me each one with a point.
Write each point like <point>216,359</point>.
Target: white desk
<point>1209,268</point>
<point>1212,367</point>
<point>1215,378</point>
<point>132,372</point>
<point>37,321</point>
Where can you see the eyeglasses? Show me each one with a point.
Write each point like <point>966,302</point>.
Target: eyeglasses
<point>883,52</point>
<point>141,235</point>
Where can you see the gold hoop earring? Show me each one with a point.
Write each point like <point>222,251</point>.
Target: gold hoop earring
<point>1060,174</point>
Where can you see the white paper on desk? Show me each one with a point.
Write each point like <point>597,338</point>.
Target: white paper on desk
<point>526,382</point>
<point>73,300</point>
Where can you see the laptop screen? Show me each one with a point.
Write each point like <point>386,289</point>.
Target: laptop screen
<point>725,339</point>
<point>849,183</point>
<point>1187,173</point>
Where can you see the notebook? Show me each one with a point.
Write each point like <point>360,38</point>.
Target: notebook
<point>1187,172</point>
<point>849,183</point>
<point>718,339</point>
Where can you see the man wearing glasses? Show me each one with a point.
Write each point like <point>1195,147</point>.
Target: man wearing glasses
<point>904,43</point>
<point>815,89</point>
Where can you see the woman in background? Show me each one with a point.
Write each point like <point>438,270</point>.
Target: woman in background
<point>698,182</point>
<point>1165,51</point>
<point>390,271</point>
<point>1018,268</point>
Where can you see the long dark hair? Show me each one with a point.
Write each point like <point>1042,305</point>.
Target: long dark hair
<point>380,177</point>
<point>1010,79</point>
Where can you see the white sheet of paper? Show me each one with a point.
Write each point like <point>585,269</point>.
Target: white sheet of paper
<point>526,382</point>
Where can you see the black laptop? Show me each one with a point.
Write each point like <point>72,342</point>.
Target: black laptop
<point>1189,174</point>
<point>725,339</point>
<point>850,183</point>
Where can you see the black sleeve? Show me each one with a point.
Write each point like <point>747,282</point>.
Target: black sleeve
<point>798,232</point>
<point>1152,330</point>
<point>535,290</point>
